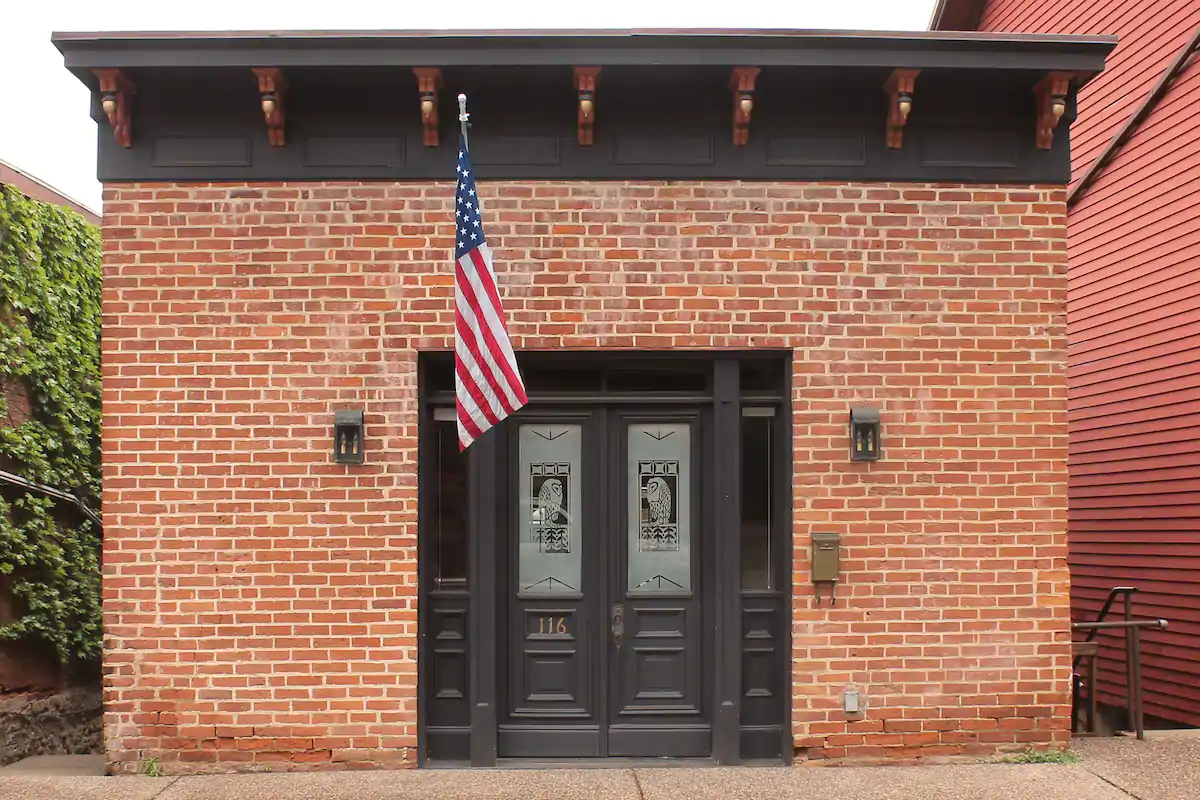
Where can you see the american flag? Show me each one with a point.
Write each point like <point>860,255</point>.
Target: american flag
<point>487,384</point>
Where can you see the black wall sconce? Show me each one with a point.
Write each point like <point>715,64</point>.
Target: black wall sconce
<point>864,434</point>
<point>348,436</point>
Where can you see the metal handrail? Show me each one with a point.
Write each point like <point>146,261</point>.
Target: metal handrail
<point>1156,624</point>
<point>1129,592</point>
<point>1133,654</point>
<point>15,480</point>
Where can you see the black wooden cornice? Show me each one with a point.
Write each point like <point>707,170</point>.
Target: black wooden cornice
<point>596,105</point>
<point>917,50</point>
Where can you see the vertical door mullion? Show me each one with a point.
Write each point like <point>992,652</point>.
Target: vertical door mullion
<point>726,475</point>
<point>602,569</point>
<point>483,531</point>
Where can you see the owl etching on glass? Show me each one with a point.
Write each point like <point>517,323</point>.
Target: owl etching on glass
<point>550,501</point>
<point>658,499</point>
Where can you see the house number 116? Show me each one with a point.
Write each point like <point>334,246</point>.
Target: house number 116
<point>552,626</point>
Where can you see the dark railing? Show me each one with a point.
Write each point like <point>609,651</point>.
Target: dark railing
<point>1133,659</point>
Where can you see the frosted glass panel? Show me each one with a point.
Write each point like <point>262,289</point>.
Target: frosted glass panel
<point>660,507</point>
<point>549,560</point>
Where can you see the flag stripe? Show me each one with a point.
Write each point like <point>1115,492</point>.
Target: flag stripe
<point>471,422</point>
<point>483,324</point>
<point>485,339</point>
<point>478,409</point>
<point>477,384</point>
<point>482,258</point>
<point>468,432</point>
<point>488,387</point>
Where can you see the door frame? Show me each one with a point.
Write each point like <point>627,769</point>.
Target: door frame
<point>725,396</point>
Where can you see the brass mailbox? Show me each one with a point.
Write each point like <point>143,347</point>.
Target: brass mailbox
<point>826,557</point>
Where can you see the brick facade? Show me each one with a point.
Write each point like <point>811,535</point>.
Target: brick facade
<point>260,601</point>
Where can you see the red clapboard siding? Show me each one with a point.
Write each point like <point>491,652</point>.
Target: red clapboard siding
<point>1150,33</point>
<point>1134,333</point>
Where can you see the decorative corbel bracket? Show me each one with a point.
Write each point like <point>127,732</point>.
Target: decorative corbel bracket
<point>899,87</point>
<point>429,80</point>
<point>1051,93</point>
<point>586,79</point>
<point>116,98</point>
<point>741,83</point>
<point>272,89</point>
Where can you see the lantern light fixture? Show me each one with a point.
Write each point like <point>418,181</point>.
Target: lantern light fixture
<point>348,436</point>
<point>864,434</point>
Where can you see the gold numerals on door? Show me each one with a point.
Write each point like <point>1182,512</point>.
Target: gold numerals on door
<point>552,626</point>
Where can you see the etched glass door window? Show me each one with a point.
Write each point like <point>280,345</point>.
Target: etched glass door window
<point>660,506</point>
<point>549,559</point>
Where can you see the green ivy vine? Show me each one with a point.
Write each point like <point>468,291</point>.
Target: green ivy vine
<point>50,344</point>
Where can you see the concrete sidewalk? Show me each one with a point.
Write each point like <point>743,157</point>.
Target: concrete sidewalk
<point>1164,767</point>
<point>968,782</point>
<point>1161,768</point>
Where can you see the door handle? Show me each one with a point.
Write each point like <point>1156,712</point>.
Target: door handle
<point>618,623</point>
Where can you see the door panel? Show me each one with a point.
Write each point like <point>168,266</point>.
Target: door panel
<point>656,682</point>
<point>552,698</point>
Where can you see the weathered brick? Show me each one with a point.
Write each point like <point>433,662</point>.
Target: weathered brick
<point>260,602</point>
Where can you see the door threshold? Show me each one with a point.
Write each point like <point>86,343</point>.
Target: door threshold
<point>617,762</point>
<point>613,762</point>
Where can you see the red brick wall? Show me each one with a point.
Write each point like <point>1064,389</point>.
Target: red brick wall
<point>260,600</point>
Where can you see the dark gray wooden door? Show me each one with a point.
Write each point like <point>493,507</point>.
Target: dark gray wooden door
<point>606,650</point>
<point>657,644</point>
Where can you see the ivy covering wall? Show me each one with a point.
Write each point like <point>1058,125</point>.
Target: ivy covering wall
<point>50,347</point>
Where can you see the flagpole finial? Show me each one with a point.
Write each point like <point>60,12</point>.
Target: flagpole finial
<point>463,116</point>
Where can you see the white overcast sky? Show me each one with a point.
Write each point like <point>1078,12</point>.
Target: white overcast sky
<point>45,129</point>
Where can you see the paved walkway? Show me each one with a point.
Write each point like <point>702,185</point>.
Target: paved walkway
<point>1165,767</point>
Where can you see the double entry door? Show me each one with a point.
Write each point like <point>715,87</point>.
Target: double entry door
<point>604,647</point>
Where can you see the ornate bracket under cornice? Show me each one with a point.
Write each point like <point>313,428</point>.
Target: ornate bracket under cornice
<point>741,83</point>
<point>116,98</point>
<point>272,87</point>
<point>586,79</point>
<point>1051,94</point>
<point>429,80</point>
<point>899,87</point>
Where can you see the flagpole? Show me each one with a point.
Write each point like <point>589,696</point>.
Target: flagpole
<point>463,116</point>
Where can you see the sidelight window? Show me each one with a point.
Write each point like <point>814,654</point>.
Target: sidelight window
<point>450,505</point>
<point>757,476</point>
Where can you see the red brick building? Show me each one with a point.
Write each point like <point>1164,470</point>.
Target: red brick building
<point>36,189</point>
<point>1134,328</point>
<point>702,277</point>
<point>25,665</point>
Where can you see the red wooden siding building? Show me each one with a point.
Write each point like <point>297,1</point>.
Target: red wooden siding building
<point>1133,325</point>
